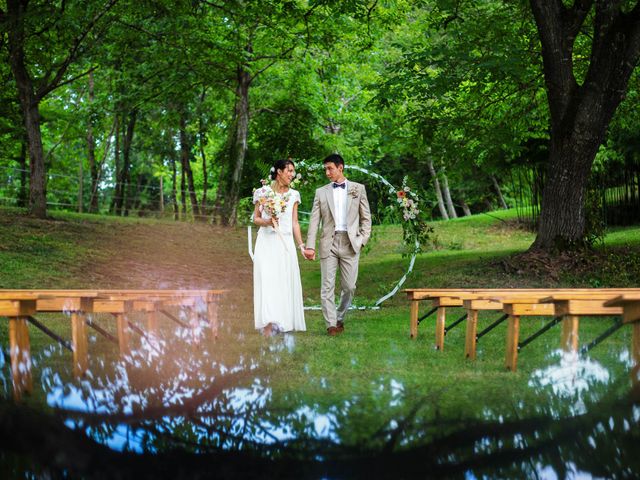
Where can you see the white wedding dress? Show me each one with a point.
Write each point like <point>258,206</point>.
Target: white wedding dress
<point>277,290</point>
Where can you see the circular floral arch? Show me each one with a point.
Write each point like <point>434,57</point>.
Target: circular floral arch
<point>415,229</point>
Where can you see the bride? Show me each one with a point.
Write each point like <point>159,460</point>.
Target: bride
<point>277,290</point>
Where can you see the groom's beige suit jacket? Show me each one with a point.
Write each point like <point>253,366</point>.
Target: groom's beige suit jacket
<point>358,218</point>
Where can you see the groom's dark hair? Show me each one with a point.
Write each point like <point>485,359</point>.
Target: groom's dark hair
<point>335,158</point>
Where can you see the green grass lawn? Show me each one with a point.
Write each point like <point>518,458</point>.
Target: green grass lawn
<point>374,372</point>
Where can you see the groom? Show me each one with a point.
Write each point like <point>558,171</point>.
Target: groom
<point>343,208</point>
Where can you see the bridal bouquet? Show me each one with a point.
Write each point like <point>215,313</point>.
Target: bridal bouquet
<point>274,205</point>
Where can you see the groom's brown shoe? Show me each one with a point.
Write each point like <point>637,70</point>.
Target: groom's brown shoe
<point>340,327</point>
<point>332,331</point>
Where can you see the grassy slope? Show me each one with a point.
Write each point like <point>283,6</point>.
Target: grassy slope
<point>374,362</point>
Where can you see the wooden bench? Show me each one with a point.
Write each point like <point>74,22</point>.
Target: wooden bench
<point>20,306</point>
<point>565,305</point>
<point>630,304</point>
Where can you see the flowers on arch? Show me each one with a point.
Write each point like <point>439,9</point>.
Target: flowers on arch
<point>415,229</point>
<point>409,205</point>
<point>296,181</point>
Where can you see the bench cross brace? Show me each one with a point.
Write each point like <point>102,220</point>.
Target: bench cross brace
<point>492,326</point>
<point>430,312</point>
<point>608,332</point>
<point>65,343</point>
<point>530,339</point>
<point>175,319</point>
<point>101,331</point>
<point>143,334</point>
<point>461,319</point>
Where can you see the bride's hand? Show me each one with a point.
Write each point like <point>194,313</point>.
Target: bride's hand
<point>274,222</point>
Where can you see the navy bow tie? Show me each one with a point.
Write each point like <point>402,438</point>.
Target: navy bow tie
<point>340,185</point>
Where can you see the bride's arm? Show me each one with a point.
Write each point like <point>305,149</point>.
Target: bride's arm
<point>297,234</point>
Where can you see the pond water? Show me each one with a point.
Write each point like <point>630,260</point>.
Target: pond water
<point>185,405</point>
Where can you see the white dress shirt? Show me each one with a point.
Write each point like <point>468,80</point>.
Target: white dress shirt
<point>340,204</point>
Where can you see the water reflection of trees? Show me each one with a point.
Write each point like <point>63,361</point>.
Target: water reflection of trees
<point>211,413</point>
<point>601,441</point>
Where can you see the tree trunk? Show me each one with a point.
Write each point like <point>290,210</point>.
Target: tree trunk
<point>161,198</point>
<point>96,176</point>
<point>80,184</point>
<point>116,162</point>
<point>230,177</point>
<point>174,190</point>
<point>22,161</point>
<point>91,150</point>
<point>202,141</point>
<point>447,196</point>
<point>562,214</point>
<point>135,202</point>
<point>185,154</point>
<point>580,114</point>
<point>496,186</point>
<point>436,186</point>
<point>465,207</point>
<point>125,170</point>
<point>205,180</point>
<point>183,188</point>
<point>29,108</point>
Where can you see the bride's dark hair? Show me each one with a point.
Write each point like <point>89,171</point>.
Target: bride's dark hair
<point>279,165</point>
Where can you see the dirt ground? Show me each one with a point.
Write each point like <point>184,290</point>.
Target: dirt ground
<point>102,253</point>
<point>170,255</point>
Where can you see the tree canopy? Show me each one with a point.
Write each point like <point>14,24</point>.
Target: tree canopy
<point>179,108</point>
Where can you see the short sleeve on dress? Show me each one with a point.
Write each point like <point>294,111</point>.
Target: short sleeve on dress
<point>296,197</point>
<point>259,192</point>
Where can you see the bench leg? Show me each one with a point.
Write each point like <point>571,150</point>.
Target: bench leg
<point>80,343</point>
<point>440,321</point>
<point>123,333</point>
<point>472,328</point>
<point>212,313</point>
<point>513,330</point>
<point>152,322</point>
<point>413,318</point>
<point>570,333</point>
<point>20,354</point>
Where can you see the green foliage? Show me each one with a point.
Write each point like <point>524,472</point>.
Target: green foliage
<point>392,86</point>
<point>245,211</point>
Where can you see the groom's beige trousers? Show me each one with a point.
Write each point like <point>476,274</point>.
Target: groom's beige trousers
<point>343,257</point>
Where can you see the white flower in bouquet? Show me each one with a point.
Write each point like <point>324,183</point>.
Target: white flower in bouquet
<point>274,205</point>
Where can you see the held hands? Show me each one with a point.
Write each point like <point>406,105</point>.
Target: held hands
<point>308,253</point>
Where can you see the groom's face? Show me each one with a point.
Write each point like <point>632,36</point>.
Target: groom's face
<point>333,171</point>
